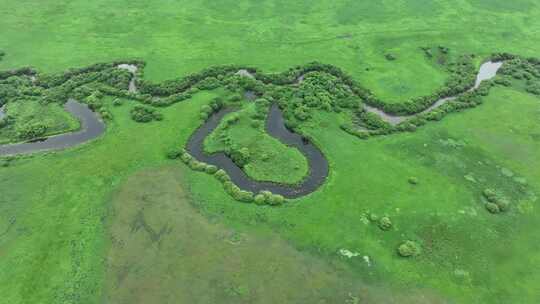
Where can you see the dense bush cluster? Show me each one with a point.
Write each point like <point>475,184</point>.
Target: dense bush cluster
<point>496,202</point>
<point>171,87</point>
<point>390,57</point>
<point>318,90</point>
<point>385,223</point>
<point>141,113</point>
<point>409,249</point>
<point>207,110</point>
<point>262,198</point>
<point>31,131</point>
<point>521,69</point>
<point>371,121</point>
<point>240,157</point>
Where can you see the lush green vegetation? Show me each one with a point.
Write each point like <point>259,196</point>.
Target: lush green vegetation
<point>108,219</point>
<point>27,119</point>
<point>241,135</point>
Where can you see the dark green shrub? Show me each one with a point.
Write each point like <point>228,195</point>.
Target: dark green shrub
<point>240,157</point>
<point>4,122</point>
<point>493,208</point>
<point>222,176</point>
<point>503,204</point>
<point>144,114</point>
<point>490,195</point>
<point>244,196</point>
<point>210,169</point>
<point>105,114</point>
<point>175,153</point>
<point>197,165</point>
<point>533,88</point>
<point>385,223</point>
<point>260,199</point>
<point>413,180</point>
<point>186,158</point>
<point>409,249</point>
<point>390,57</point>
<point>31,131</point>
<point>275,200</point>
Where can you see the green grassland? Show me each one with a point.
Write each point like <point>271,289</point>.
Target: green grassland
<point>269,159</point>
<point>181,37</point>
<point>115,221</point>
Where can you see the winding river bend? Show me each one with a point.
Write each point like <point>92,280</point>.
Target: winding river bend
<point>91,127</point>
<point>487,71</point>
<point>275,126</point>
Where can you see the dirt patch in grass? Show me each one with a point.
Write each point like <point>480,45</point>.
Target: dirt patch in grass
<point>164,251</point>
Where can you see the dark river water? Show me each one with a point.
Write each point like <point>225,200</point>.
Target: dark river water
<point>91,127</point>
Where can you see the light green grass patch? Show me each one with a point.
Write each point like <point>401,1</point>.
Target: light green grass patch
<point>270,160</point>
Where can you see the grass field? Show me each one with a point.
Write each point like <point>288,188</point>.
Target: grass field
<point>115,221</point>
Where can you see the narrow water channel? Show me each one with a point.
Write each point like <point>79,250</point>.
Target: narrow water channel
<point>275,126</point>
<point>91,127</point>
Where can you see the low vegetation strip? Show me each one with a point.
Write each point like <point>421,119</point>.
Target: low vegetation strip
<point>295,94</point>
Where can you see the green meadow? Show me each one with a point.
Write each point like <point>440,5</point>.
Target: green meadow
<point>115,221</point>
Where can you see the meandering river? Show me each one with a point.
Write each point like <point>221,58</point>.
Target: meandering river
<point>92,127</point>
<point>275,126</point>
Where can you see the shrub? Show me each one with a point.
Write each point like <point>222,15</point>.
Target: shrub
<point>186,158</point>
<point>31,131</point>
<point>144,114</point>
<point>490,195</point>
<point>222,176</point>
<point>175,153</point>
<point>493,208</point>
<point>210,169</point>
<point>390,57</point>
<point>240,157</point>
<point>260,199</point>
<point>275,199</point>
<point>256,124</point>
<point>413,180</point>
<point>244,196</point>
<point>4,122</point>
<point>409,249</point>
<point>197,165</point>
<point>533,88</point>
<point>385,223</point>
<point>503,204</point>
